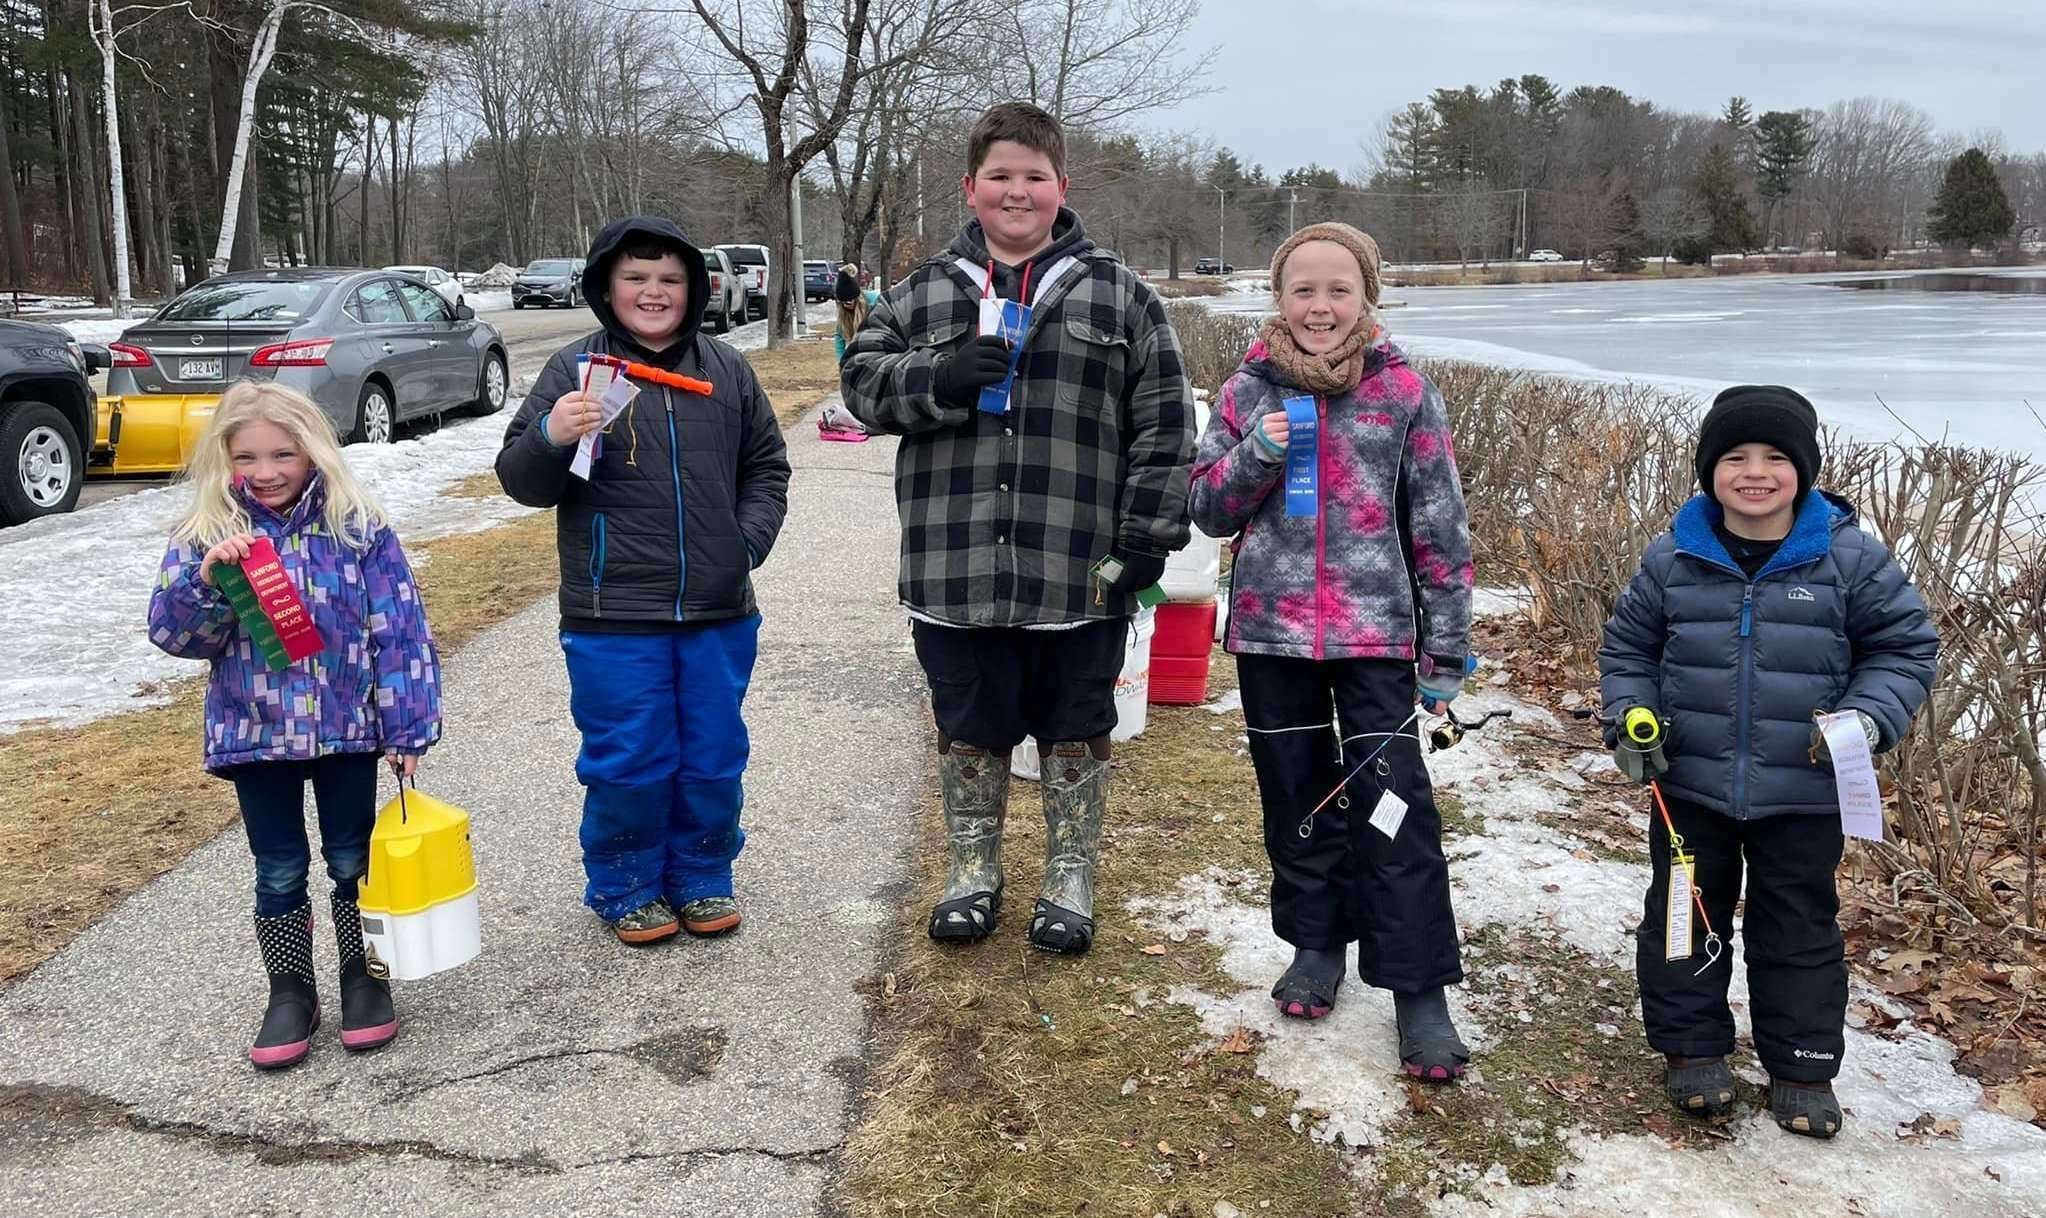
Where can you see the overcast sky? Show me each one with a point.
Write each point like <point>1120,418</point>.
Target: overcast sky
<point>1307,80</point>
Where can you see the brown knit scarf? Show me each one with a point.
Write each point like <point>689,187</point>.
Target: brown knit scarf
<point>1335,371</point>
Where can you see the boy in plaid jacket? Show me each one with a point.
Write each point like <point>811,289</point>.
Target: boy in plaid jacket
<point>1022,467</point>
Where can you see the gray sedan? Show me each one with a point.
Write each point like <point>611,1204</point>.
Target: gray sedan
<point>371,347</point>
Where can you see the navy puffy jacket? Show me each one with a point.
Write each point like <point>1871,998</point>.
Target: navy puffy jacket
<point>1738,666</point>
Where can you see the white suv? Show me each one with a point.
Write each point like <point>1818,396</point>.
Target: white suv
<point>1545,256</point>
<point>752,263</point>
<point>727,292</point>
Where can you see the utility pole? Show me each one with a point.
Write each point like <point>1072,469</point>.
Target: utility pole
<point>1292,201</point>
<point>799,306</point>
<point>1222,227</point>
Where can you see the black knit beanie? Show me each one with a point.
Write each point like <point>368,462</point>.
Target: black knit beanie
<point>1761,414</point>
<point>846,289</point>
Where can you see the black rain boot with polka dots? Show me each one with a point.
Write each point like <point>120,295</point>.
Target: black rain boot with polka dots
<point>294,1011</point>
<point>368,1020</point>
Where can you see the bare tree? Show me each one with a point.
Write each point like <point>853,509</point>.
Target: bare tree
<point>1095,63</point>
<point>771,41</point>
<point>1864,150</point>
<point>1668,217</point>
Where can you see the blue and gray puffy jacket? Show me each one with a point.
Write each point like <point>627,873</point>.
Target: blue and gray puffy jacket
<point>1738,666</point>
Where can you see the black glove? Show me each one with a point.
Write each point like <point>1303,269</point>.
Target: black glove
<point>1642,763</point>
<point>960,377</point>
<point>1139,571</point>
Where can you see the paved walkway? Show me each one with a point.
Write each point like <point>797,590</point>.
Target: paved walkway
<point>559,1073</point>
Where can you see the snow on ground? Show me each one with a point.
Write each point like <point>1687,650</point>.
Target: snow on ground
<point>74,589</point>
<point>1498,602</point>
<point>97,330</point>
<point>1520,874</point>
<point>481,299</point>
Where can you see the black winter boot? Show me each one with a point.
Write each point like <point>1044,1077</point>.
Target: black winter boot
<point>294,1011</point>
<point>1430,1049</point>
<point>368,1021</point>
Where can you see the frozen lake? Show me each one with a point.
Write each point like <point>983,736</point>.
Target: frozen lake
<point>1959,363</point>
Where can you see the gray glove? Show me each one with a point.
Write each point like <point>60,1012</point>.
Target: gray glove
<point>1641,763</point>
<point>1821,755</point>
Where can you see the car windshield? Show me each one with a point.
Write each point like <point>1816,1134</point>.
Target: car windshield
<point>744,257</point>
<point>247,300</point>
<point>552,266</point>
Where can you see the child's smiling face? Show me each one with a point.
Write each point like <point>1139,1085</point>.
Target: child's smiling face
<point>271,466</point>
<point>1757,485</point>
<point>650,297</point>
<point>1015,194</point>
<point>1321,295</point>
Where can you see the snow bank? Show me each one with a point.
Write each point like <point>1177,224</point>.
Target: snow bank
<point>74,590</point>
<point>98,330</point>
<point>1520,874</point>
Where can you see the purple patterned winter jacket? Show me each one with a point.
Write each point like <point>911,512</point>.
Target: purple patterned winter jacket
<point>1343,583</point>
<point>375,687</point>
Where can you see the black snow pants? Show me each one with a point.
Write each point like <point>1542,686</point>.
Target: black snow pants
<point>1790,930</point>
<point>1345,880</point>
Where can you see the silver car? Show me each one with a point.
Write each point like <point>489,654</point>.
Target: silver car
<point>372,348</point>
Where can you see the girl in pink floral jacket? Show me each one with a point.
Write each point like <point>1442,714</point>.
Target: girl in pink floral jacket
<point>1329,461</point>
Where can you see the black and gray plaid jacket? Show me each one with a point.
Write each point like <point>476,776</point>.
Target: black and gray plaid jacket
<point>1004,515</point>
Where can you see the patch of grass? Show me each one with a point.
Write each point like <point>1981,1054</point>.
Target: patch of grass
<point>1012,1081</point>
<point>105,808</point>
<point>1539,1081</point>
<point>797,375</point>
<point>1181,289</point>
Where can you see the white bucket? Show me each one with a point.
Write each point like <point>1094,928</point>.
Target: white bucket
<point>1132,694</point>
<point>435,939</point>
<point>1193,571</point>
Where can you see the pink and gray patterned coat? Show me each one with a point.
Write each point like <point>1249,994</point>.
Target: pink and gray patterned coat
<point>375,687</point>
<point>1343,583</point>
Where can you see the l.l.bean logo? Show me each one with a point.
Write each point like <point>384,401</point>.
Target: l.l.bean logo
<point>1376,418</point>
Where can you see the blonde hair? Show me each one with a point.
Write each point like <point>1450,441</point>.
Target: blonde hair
<point>216,513</point>
<point>852,314</point>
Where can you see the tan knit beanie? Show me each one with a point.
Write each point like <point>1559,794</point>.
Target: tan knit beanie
<point>1358,242</point>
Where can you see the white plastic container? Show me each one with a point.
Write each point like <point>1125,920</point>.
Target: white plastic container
<point>1132,695</point>
<point>417,945</point>
<point>1193,571</point>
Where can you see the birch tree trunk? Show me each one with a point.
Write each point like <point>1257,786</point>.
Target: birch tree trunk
<point>102,17</point>
<point>260,53</point>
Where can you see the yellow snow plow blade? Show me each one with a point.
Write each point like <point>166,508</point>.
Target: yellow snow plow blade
<point>151,433</point>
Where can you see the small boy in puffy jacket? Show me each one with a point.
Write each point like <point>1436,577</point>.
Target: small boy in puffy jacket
<point>1764,606</point>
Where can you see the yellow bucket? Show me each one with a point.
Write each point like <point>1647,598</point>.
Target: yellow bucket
<point>419,912</point>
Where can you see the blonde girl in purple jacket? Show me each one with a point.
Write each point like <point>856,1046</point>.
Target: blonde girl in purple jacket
<point>269,467</point>
<point>1350,597</point>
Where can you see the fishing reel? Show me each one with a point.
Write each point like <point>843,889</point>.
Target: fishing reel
<point>1447,734</point>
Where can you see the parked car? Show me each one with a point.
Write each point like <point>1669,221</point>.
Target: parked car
<point>1545,256</point>
<point>371,348</point>
<point>48,414</point>
<point>819,278</point>
<point>727,292</point>
<point>752,262</point>
<point>1211,266</point>
<point>549,281</point>
<point>449,287</point>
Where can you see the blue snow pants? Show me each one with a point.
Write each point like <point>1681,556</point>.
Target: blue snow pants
<point>664,748</point>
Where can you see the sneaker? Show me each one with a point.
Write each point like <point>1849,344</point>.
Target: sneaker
<point>710,916</point>
<point>650,923</point>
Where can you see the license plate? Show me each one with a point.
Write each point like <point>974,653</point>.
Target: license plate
<point>199,370</point>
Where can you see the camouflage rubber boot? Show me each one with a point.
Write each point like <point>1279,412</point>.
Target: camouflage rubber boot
<point>976,786</point>
<point>1075,801</point>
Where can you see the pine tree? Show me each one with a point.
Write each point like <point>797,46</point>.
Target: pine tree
<point>1738,115</point>
<point>1783,144</point>
<point>1717,184</point>
<point>1971,208</point>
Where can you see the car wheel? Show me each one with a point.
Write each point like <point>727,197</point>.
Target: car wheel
<point>376,420</point>
<point>518,304</point>
<point>575,298</point>
<point>493,385</point>
<point>44,467</point>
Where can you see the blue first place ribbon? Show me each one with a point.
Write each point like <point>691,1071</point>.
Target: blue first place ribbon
<point>1303,445</point>
<point>994,399</point>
